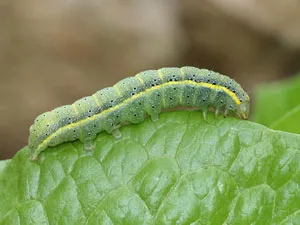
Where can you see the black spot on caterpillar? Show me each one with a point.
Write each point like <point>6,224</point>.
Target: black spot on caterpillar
<point>131,98</point>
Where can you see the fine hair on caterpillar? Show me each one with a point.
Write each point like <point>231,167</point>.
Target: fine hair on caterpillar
<point>129,100</point>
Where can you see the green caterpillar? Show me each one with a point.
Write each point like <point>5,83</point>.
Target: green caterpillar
<point>131,98</point>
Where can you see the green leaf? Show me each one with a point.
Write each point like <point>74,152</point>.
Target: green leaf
<point>273,101</point>
<point>178,170</point>
<point>289,122</point>
<point>3,164</point>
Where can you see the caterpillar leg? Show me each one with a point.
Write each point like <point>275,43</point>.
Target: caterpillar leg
<point>116,133</point>
<point>226,113</point>
<point>204,113</point>
<point>154,117</point>
<point>216,113</point>
<point>89,145</point>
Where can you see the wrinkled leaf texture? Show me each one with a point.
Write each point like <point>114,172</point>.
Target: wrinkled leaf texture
<point>178,170</point>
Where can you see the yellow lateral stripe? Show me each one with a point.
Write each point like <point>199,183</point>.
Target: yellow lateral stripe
<point>202,84</point>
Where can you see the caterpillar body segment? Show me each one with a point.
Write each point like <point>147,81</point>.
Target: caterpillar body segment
<point>131,99</point>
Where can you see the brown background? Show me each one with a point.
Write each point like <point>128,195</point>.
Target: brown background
<point>54,52</point>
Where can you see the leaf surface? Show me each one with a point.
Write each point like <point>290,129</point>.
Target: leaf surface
<point>178,170</point>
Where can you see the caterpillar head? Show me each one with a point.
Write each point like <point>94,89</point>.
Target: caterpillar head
<point>243,109</point>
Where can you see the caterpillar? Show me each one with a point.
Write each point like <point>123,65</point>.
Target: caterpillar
<point>147,93</point>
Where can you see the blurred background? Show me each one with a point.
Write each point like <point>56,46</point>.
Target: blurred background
<point>55,52</point>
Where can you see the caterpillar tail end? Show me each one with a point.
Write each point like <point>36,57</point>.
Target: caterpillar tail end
<point>34,153</point>
<point>34,156</point>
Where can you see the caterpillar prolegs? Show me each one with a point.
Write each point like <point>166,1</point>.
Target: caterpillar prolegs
<point>130,99</point>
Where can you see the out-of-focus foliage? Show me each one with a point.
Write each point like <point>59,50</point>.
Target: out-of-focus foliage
<point>290,122</point>
<point>277,105</point>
